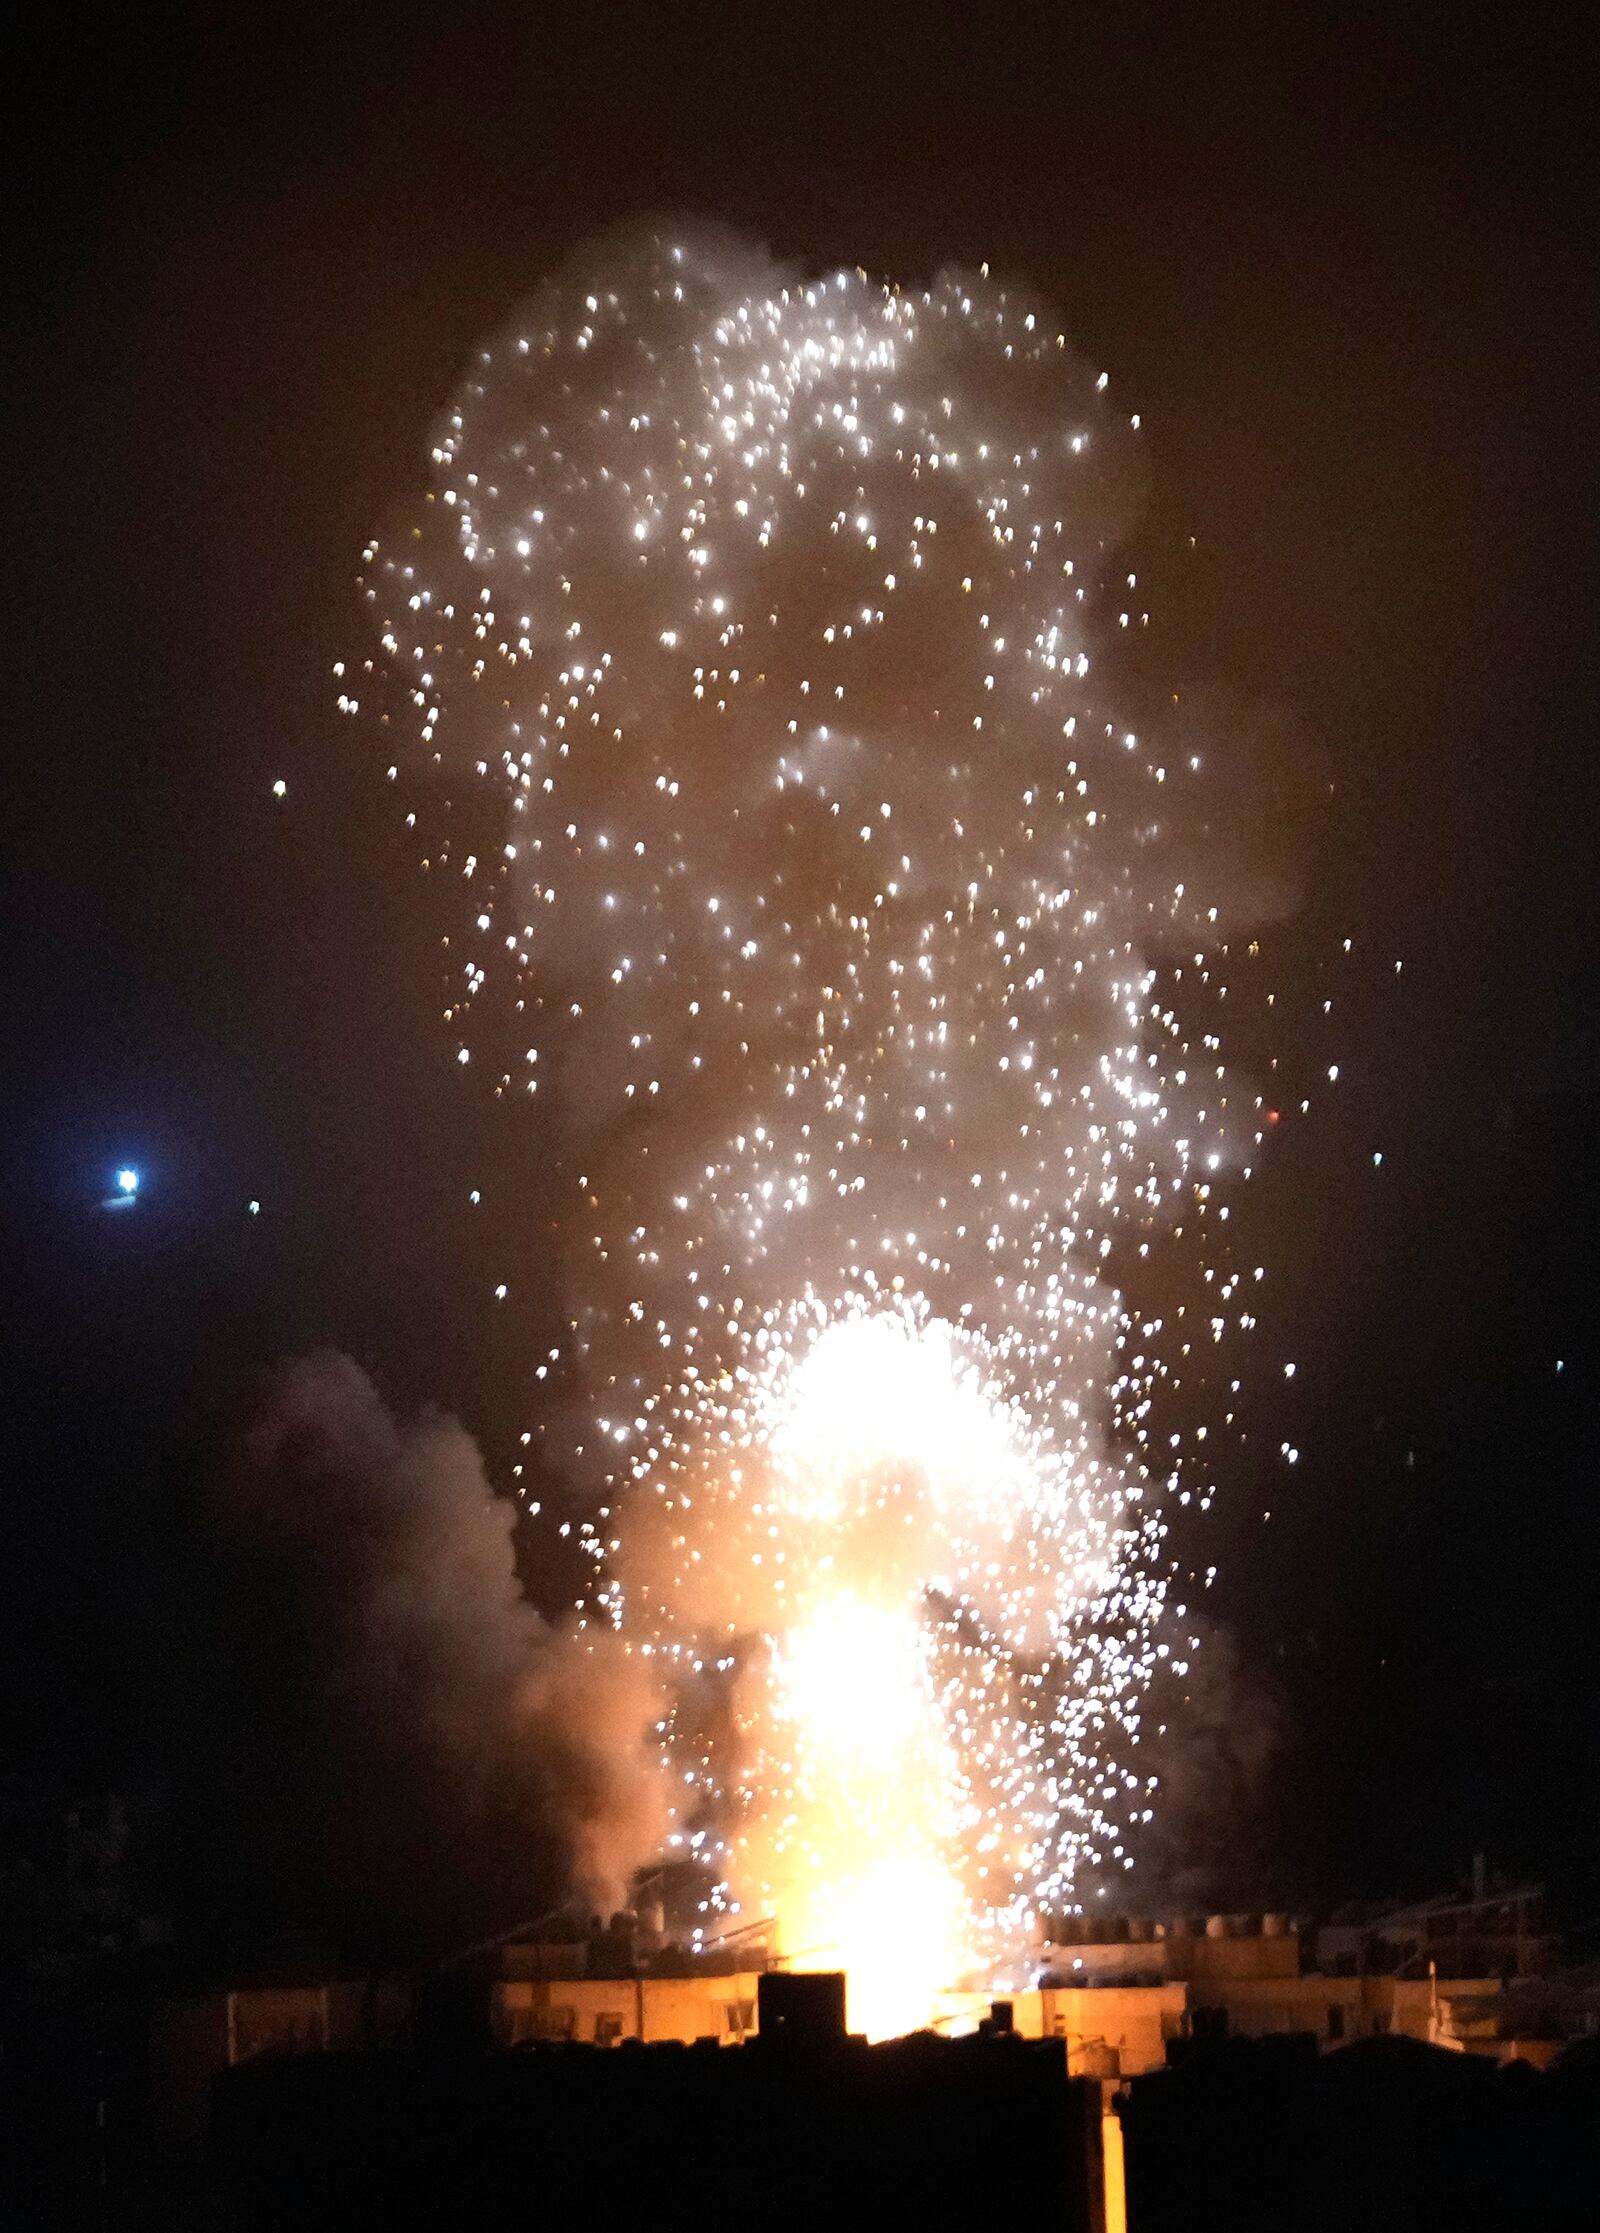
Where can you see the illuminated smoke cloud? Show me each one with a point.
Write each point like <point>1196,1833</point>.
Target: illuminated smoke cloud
<point>417,1747</point>
<point>749,622</point>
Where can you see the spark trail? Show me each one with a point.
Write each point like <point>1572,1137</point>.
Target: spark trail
<point>827,898</point>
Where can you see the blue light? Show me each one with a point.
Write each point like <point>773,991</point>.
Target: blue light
<point>127,1182</point>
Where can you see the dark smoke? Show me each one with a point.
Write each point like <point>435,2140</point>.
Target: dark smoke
<point>398,1745</point>
<point>1216,1735</point>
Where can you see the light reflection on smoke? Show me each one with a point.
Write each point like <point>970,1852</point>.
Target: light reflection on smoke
<point>824,891</point>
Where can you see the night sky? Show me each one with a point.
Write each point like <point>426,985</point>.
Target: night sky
<point>1344,277</point>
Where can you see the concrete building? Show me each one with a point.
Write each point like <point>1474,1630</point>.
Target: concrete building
<point>194,2039</point>
<point>1259,1977</point>
<point>1484,1929</point>
<point>603,2012</point>
<point>799,2125</point>
<point>1122,2004</point>
<point>1120,1997</point>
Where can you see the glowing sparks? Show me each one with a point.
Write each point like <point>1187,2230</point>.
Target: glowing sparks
<point>840,927</point>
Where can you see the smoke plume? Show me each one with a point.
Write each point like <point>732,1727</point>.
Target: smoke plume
<point>1212,1840</point>
<point>868,980</point>
<point>411,1747</point>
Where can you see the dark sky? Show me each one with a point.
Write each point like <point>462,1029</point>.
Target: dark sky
<point>1344,275</point>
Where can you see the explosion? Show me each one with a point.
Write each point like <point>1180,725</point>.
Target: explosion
<point>746,633</point>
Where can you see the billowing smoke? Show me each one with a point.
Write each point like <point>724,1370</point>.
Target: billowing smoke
<point>1214,1752</point>
<point>864,973</point>
<point>413,1749</point>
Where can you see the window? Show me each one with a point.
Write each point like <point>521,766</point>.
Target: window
<point>608,2028</point>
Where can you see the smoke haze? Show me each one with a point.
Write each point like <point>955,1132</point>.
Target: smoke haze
<point>402,1742</point>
